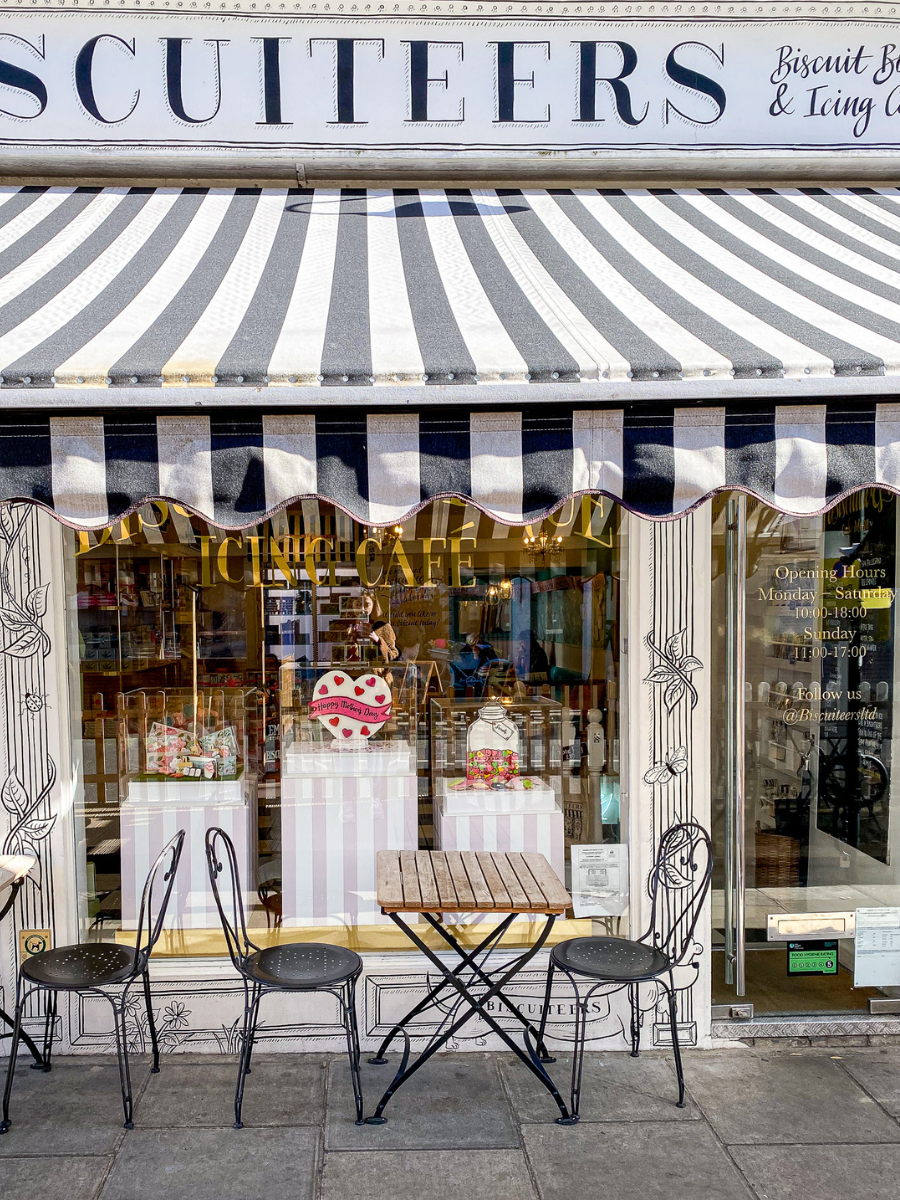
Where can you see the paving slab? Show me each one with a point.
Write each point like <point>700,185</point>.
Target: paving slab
<point>653,1160</point>
<point>456,1101</point>
<point>832,1172</point>
<point>281,1089</point>
<point>75,1109</point>
<point>215,1164</point>
<point>405,1175</point>
<point>878,1072</point>
<point>52,1178</point>
<point>779,1098</point>
<point>614,1087</point>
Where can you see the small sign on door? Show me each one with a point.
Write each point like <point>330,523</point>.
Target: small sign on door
<point>877,958</point>
<point>812,958</point>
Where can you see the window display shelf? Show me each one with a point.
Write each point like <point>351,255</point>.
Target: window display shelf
<point>533,796</point>
<point>318,760</point>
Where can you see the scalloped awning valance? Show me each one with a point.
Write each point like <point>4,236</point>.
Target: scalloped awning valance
<point>236,469</point>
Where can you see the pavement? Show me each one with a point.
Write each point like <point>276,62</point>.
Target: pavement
<point>762,1123</point>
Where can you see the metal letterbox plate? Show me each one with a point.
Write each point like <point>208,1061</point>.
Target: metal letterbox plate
<point>808,927</point>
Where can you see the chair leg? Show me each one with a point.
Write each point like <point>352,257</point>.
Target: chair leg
<point>251,1008</point>
<point>122,1055</point>
<point>548,991</point>
<point>151,1023</point>
<point>252,1043</point>
<point>353,1052</point>
<point>578,1054</point>
<point>634,996</point>
<point>49,1028</point>
<point>676,1048</point>
<point>11,1069</point>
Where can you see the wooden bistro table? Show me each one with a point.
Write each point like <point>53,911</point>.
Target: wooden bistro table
<point>432,882</point>
<point>14,870</point>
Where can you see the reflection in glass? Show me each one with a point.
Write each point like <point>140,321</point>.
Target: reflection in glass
<point>199,661</point>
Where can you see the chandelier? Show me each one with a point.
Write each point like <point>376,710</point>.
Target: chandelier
<point>501,591</point>
<point>385,536</point>
<point>541,547</point>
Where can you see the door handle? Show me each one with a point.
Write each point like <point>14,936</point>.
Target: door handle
<point>735,796</point>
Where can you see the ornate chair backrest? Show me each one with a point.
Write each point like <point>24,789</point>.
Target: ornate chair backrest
<point>225,879</point>
<point>163,870</point>
<point>679,883</point>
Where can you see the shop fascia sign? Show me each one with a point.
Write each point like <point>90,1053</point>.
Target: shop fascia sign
<point>285,560</point>
<point>295,86</point>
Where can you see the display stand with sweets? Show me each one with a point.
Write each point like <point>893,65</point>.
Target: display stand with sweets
<point>187,767</point>
<point>348,789</point>
<point>497,776</point>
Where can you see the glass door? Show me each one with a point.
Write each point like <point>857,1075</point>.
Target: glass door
<point>806,801</point>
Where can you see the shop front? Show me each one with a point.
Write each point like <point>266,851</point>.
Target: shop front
<point>451,513</point>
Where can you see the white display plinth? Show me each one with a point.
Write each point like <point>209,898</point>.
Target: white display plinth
<point>532,833</point>
<point>461,802</point>
<point>185,791</point>
<point>315,759</point>
<point>153,813</point>
<point>332,826</point>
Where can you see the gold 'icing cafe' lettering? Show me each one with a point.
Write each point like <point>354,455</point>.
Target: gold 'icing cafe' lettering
<point>287,559</point>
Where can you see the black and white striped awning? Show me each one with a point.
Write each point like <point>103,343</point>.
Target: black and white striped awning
<point>235,469</point>
<point>299,289</point>
<point>236,350</point>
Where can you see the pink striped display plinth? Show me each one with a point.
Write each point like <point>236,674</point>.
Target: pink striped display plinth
<point>331,829</point>
<point>147,827</point>
<point>532,833</point>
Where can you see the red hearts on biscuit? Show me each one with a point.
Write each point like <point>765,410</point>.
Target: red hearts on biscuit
<point>347,732</point>
<point>379,699</point>
<point>323,691</point>
<point>370,682</point>
<point>335,721</point>
<point>359,691</point>
<point>339,679</point>
<point>365,731</point>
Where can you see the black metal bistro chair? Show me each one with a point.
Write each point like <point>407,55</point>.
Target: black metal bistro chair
<point>102,969</point>
<point>678,886</point>
<point>293,967</point>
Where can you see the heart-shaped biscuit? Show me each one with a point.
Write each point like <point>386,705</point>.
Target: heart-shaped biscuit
<point>350,708</point>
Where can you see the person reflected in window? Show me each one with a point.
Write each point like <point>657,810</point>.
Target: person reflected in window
<point>530,659</point>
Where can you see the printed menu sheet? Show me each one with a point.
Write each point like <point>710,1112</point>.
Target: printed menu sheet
<point>599,880</point>
<point>877,959</point>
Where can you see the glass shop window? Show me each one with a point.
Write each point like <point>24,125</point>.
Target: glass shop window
<point>822,813</point>
<point>323,689</point>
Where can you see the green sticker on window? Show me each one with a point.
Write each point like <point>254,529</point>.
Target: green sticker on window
<point>812,958</point>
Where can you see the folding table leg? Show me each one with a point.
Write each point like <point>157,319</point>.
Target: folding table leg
<point>379,1060</point>
<point>477,1007</point>
<point>537,1034</point>
<point>38,1064</point>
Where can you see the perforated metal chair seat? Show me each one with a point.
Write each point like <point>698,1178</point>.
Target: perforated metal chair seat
<point>615,959</point>
<point>303,965</point>
<point>89,964</point>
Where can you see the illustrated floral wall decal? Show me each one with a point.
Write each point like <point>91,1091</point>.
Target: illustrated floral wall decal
<point>673,669</point>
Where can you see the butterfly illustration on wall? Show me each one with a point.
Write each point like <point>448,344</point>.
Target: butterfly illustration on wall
<point>674,764</point>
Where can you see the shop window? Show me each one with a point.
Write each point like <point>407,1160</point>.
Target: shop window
<point>822,809</point>
<point>324,689</point>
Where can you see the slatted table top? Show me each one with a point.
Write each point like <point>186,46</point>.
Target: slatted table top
<point>468,881</point>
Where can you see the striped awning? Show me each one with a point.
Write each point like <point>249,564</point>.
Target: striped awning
<point>298,289</point>
<point>235,469</point>
<point>235,350</point>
